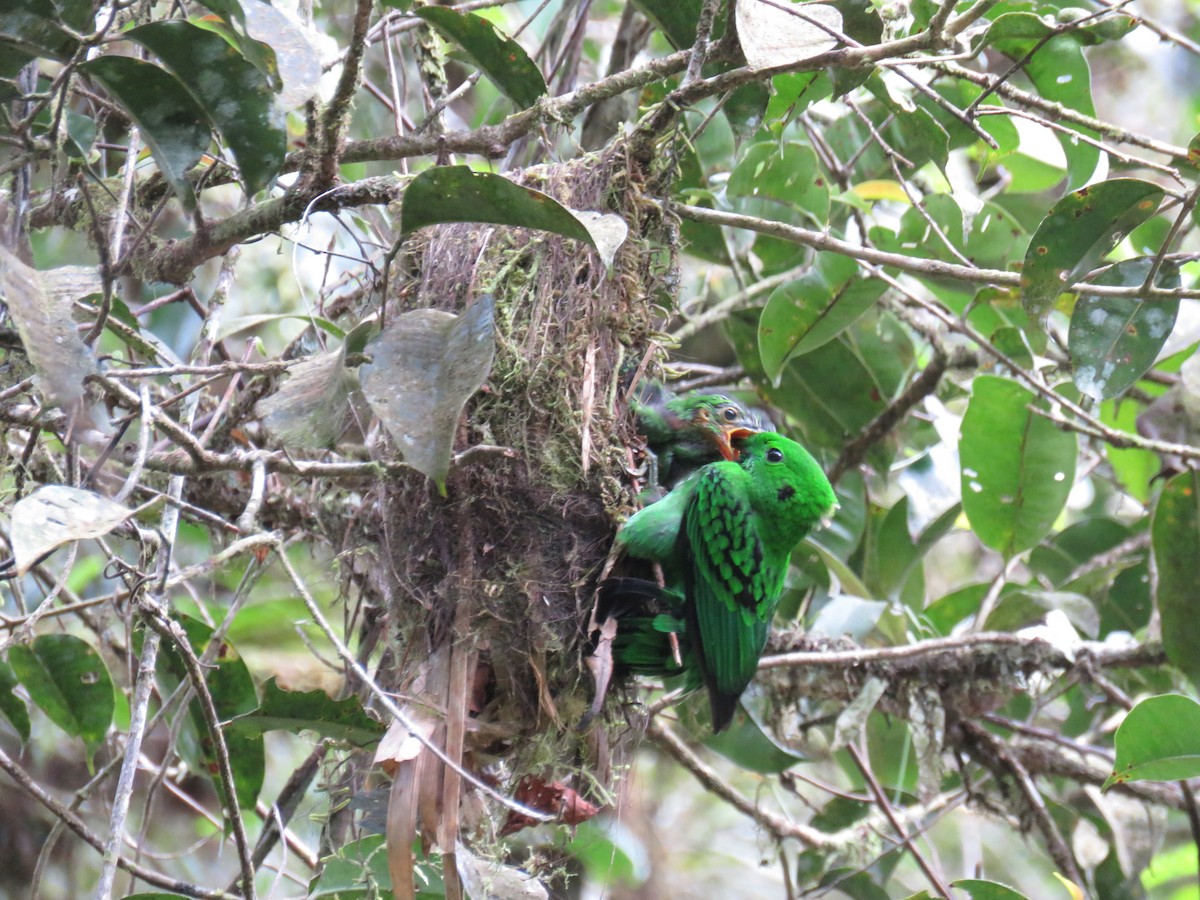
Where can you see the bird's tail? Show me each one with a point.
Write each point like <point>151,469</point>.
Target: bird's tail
<point>651,638</point>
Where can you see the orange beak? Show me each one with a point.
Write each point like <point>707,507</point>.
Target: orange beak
<point>725,438</point>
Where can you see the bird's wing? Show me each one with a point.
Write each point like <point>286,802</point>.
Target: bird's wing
<point>729,609</point>
<point>723,550</point>
<point>652,533</point>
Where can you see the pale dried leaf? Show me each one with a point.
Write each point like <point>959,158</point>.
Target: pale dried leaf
<point>425,365</point>
<point>927,725</point>
<point>1139,830</point>
<point>320,398</point>
<point>54,515</point>
<point>853,719</point>
<point>771,36</point>
<point>607,230</point>
<point>488,880</point>
<point>1088,845</point>
<point>43,319</point>
<point>401,745</point>
<point>297,58</point>
<point>70,283</point>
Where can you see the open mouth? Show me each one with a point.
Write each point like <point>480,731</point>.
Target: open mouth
<point>726,437</point>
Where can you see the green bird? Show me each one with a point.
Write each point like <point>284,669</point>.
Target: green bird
<point>685,431</point>
<point>723,538</point>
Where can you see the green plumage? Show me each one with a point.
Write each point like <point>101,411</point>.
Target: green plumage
<point>723,538</point>
<point>685,431</point>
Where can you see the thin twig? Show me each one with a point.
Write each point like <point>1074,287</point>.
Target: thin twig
<point>386,701</point>
<point>714,784</point>
<point>864,767</point>
<point>77,825</point>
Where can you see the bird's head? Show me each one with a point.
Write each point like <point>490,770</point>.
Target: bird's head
<point>786,475</point>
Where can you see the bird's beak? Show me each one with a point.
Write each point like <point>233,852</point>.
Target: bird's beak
<point>725,439</point>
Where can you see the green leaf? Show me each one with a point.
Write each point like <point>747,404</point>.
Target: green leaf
<point>359,871</point>
<point>946,612</point>
<point>1133,466</point>
<point>804,314</point>
<point>502,59</point>
<point>232,689</point>
<point>67,680</point>
<point>236,96</point>
<point>979,889</point>
<point>961,94</point>
<point>794,92</point>
<point>788,174</point>
<point>1055,560</point>
<point>676,19</point>
<point>1060,73</point>
<point>891,553</point>
<point>173,125</point>
<point>296,711</point>
<point>1158,741</point>
<point>459,194</point>
<point>1026,606</point>
<point>36,27</point>
<point>827,411</point>
<point>602,853</point>
<point>745,109</point>
<point>1113,341</point>
<point>1079,231</point>
<point>1175,544</point>
<point>995,239</point>
<point>750,748</point>
<point>1017,466</point>
<point>426,365</point>
<point>11,705</point>
<point>241,323</point>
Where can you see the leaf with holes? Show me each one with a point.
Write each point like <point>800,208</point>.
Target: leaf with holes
<point>789,174</point>
<point>42,314</point>
<point>296,711</point>
<point>1159,740</point>
<point>1017,466</point>
<point>1059,72</point>
<point>425,366</point>
<point>67,680</point>
<point>1113,341</point>
<point>1175,543</point>
<point>1078,232</point>
<point>498,56</point>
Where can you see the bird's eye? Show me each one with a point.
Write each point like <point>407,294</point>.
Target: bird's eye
<point>730,414</point>
<point>774,455</point>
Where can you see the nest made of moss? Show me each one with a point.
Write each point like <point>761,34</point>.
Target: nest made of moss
<point>500,572</point>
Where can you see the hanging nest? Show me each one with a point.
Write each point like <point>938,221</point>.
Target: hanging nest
<point>481,597</point>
